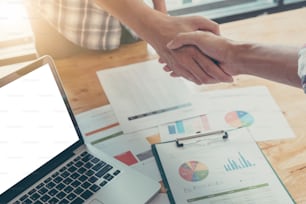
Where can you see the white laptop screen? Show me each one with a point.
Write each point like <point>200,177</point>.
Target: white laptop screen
<point>34,123</point>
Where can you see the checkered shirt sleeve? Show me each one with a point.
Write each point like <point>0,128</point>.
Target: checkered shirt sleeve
<point>83,23</point>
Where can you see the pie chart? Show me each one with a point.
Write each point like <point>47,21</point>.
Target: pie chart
<point>239,118</point>
<point>193,171</point>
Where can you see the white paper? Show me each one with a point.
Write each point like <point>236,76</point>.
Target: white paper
<point>143,95</point>
<point>262,125</point>
<point>253,108</point>
<point>213,170</point>
<point>101,129</point>
<point>98,124</point>
<point>160,198</point>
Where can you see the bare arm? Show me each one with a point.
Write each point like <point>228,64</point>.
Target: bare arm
<point>158,29</point>
<point>273,62</point>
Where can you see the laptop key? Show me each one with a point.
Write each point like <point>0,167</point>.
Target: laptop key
<point>64,201</point>
<point>40,185</point>
<point>95,160</point>
<point>116,172</point>
<point>61,195</point>
<point>92,179</point>
<point>48,180</point>
<point>94,188</point>
<point>62,169</point>
<point>65,174</point>
<point>78,191</point>
<point>85,185</point>
<point>103,171</point>
<point>75,175</point>
<point>67,181</point>
<point>88,165</point>
<point>71,196</point>
<point>50,185</point>
<point>77,158</point>
<point>24,197</point>
<point>103,183</point>
<point>83,178</point>
<point>32,191</point>
<point>58,179</point>
<point>70,164</point>
<point>75,183</point>
<point>86,194</point>
<point>55,174</point>
<point>81,170</point>
<point>79,164</point>
<point>60,186</point>
<point>68,189</point>
<point>53,201</point>
<point>72,169</point>
<point>89,173</point>
<point>45,198</point>
<point>108,177</point>
<point>35,196</point>
<point>53,192</point>
<point>98,166</point>
<point>43,190</point>
<point>87,158</point>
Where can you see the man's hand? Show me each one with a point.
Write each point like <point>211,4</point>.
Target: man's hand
<point>214,47</point>
<point>160,5</point>
<point>188,61</point>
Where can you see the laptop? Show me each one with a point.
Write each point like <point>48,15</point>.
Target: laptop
<point>42,153</point>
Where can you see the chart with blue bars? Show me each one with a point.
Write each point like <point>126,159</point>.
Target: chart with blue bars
<point>188,126</point>
<point>176,128</point>
<point>238,164</point>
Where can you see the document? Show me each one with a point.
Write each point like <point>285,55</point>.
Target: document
<point>219,170</point>
<point>143,95</point>
<point>250,107</point>
<point>100,128</point>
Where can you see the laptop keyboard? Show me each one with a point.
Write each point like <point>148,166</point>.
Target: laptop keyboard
<point>74,183</point>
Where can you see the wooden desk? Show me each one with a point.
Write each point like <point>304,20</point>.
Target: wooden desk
<point>288,157</point>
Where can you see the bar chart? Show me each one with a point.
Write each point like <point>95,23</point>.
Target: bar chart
<point>237,164</point>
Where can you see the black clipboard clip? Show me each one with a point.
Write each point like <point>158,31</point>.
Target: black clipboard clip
<point>223,132</point>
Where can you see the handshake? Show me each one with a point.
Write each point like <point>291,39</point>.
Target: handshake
<point>202,55</point>
<point>213,58</point>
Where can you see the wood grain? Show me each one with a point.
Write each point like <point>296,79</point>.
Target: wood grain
<point>288,157</point>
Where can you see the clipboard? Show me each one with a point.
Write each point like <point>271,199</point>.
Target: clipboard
<point>218,167</point>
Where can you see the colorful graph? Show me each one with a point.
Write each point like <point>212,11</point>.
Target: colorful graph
<point>127,157</point>
<point>189,126</point>
<point>238,119</point>
<point>142,115</point>
<point>193,171</point>
<point>240,163</point>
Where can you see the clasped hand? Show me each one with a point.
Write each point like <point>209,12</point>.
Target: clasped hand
<point>208,58</point>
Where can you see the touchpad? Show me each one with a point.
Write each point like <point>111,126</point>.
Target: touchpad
<point>95,201</point>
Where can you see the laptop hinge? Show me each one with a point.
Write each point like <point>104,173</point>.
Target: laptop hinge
<point>79,150</point>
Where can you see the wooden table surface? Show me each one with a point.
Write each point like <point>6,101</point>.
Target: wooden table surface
<point>288,157</point>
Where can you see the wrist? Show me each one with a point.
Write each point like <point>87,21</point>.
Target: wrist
<point>239,55</point>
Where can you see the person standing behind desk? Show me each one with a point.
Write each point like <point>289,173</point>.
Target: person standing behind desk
<point>65,28</point>
<point>97,25</point>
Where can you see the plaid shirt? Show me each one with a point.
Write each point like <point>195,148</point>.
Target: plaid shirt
<point>302,66</point>
<point>82,22</point>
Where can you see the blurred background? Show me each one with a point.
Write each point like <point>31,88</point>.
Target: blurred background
<point>16,38</point>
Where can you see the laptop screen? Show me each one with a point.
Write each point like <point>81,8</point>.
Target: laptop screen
<point>34,123</point>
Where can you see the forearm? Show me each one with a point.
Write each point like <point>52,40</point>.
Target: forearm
<point>134,13</point>
<point>277,63</point>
